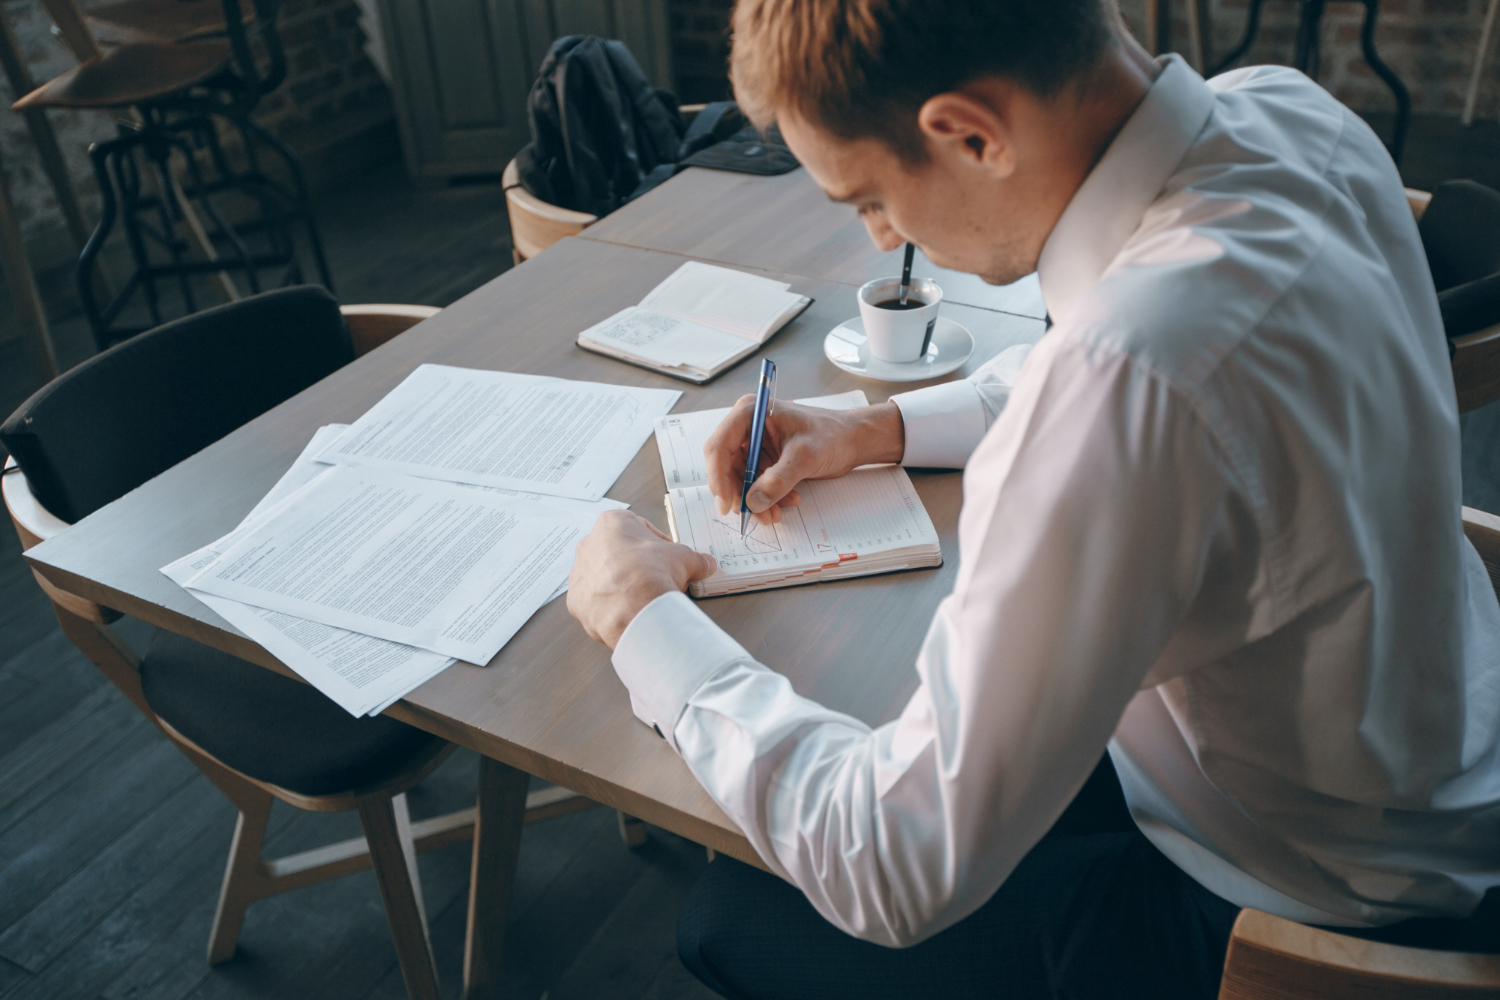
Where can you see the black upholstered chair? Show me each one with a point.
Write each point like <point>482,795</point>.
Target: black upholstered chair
<point>1460,226</point>
<point>126,415</point>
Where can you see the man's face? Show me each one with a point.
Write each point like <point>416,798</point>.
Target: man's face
<point>961,215</point>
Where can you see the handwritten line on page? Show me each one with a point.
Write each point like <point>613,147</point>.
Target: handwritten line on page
<point>362,674</point>
<point>523,432</point>
<point>456,571</point>
<point>869,521</point>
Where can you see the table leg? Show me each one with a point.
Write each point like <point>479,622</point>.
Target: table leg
<point>22,286</point>
<point>1481,57</point>
<point>499,815</point>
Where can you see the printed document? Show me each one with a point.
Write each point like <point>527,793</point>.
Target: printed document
<point>522,432</point>
<point>362,674</point>
<point>455,571</point>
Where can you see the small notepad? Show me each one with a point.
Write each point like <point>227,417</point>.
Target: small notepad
<point>870,521</point>
<point>698,322</point>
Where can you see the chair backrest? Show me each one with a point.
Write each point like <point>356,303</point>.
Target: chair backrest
<point>1472,306</point>
<point>1461,233</point>
<point>127,414</point>
<point>534,224</point>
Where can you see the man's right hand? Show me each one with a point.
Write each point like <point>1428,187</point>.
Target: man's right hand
<point>801,442</point>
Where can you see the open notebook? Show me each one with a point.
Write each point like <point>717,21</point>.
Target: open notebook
<point>698,322</point>
<point>870,521</point>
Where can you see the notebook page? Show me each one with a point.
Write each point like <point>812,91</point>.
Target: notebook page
<point>681,437</point>
<point>745,305</point>
<point>665,340</point>
<point>870,511</point>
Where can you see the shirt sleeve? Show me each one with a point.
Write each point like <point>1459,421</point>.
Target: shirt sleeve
<point>944,423</point>
<point>1087,520</point>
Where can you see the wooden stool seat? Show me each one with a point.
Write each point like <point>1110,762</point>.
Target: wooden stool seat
<point>133,21</point>
<point>130,74</point>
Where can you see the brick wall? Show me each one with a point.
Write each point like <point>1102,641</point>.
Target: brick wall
<point>330,80</point>
<point>1429,43</point>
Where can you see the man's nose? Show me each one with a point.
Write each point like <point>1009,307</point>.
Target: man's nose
<point>882,233</point>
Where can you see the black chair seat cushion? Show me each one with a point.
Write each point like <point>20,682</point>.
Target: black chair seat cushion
<point>105,427</point>
<point>1461,236</point>
<point>270,727</point>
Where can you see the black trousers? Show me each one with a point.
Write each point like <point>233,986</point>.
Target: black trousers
<point>1093,911</point>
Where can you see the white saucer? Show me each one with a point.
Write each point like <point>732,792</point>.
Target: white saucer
<point>847,347</point>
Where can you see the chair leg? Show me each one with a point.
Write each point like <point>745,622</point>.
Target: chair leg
<point>242,874</point>
<point>632,830</point>
<point>388,831</point>
<point>498,817</point>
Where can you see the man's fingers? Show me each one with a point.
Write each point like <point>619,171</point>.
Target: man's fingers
<point>658,532</point>
<point>707,567</point>
<point>724,454</point>
<point>776,482</point>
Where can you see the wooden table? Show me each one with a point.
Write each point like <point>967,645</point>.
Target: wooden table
<point>786,224</point>
<point>550,703</point>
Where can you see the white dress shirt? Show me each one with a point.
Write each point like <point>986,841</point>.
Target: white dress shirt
<point>1210,521</point>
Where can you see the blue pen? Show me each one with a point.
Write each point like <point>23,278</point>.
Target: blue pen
<point>764,394</point>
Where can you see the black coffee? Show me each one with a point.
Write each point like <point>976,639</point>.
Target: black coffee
<point>912,302</point>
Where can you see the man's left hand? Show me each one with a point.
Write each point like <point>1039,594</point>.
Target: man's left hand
<point>623,565</point>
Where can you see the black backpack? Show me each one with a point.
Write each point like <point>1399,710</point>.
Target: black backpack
<point>598,127</point>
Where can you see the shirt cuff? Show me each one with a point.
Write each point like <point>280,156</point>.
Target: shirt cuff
<point>665,655</point>
<point>943,424</point>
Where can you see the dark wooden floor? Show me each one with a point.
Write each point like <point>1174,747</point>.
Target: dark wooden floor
<point>112,845</point>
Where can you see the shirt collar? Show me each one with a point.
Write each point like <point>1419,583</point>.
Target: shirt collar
<point>1108,206</point>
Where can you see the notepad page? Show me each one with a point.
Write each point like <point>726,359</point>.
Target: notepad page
<point>681,437</point>
<point>870,511</point>
<point>665,339</point>
<point>745,305</point>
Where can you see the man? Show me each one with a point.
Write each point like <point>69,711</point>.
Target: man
<point>1210,522</point>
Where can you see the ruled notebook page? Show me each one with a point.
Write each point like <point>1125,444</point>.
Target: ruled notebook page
<point>871,513</point>
<point>681,437</point>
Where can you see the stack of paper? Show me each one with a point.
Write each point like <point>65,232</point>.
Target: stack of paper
<point>429,531</point>
<point>698,322</point>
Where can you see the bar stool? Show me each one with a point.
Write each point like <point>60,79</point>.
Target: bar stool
<point>185,70</point>
<point>1308,56</point>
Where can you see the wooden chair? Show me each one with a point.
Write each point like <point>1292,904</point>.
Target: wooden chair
<point>391,840</point>
<point>535,224</point>
<point>1271,958</point>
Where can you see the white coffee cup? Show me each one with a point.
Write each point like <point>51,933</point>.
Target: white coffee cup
<point>898,335</point>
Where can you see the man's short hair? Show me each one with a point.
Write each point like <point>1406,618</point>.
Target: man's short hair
<point>863,68</point>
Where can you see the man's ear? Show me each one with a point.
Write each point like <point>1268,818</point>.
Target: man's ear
<point>973,131</point>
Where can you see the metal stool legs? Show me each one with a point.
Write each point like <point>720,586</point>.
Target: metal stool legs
<point>151,179</point>
<point>1308,57</point>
